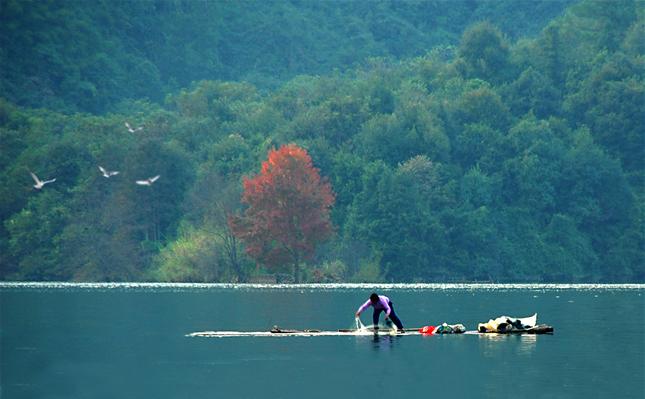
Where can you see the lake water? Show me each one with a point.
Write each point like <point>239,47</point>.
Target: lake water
<point>129,341</point>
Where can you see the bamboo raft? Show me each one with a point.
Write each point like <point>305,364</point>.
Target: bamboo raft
<point>538,329</point>
<point>284,332</point>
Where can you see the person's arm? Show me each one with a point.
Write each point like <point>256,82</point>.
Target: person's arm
<point>387,308</point>
<point>363,307</point>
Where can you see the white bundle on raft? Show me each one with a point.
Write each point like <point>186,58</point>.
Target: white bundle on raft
<point>504,324</point>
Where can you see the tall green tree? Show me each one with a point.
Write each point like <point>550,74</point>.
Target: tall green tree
<point>485,53</point>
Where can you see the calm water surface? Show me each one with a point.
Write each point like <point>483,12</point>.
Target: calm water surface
<point>128,341</point>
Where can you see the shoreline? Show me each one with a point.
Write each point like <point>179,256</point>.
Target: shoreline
<point>322,286</point>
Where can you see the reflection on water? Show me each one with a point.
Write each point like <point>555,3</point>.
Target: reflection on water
<point>496,345</point>
<point>383,342</point>
<point>527,344</point>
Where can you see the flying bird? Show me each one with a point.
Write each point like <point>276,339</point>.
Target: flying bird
<point>131,130</point>
<point>148,181</point>
<point>108,173</point>
<point>39,183</point>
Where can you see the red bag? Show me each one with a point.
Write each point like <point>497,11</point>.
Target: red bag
<point>427,330</point>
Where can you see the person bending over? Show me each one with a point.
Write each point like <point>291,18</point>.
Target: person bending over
<point>380,303</point>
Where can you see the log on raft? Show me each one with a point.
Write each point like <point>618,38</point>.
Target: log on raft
<point>509,329</point>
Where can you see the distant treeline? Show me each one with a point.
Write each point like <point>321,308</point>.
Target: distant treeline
<point>495,160</point>
<point>92,56</point>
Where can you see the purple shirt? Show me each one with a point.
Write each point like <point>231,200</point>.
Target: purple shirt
<point>383,303</point>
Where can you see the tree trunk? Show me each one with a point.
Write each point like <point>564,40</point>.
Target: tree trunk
<point>296,272</point>
<point>231,249</point>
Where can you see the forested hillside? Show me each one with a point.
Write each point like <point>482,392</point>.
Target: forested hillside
<point>92,56</point>
<point>500,159</point>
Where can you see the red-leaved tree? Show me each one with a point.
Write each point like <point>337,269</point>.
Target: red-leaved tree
<point>288,210</point>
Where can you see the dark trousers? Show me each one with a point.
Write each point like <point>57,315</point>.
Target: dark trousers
<point>393,317</point>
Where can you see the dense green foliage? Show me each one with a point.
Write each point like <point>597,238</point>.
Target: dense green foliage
<point>499,161</point>
<point>91,56</point>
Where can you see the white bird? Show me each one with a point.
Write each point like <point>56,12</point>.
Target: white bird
<point>131,130</point>
<point>108,173</point>
<point>39,183</point>
<point>148,181</point>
